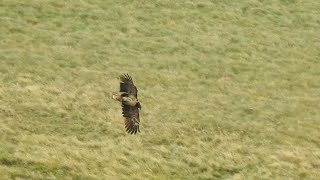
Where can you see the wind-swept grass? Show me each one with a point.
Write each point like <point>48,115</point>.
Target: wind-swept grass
<point>229,89</point>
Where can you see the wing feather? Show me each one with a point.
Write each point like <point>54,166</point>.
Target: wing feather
<point>126,85</point>
<point>132,120</point>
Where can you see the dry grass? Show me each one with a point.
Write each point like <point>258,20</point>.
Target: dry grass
<point>229,89</point>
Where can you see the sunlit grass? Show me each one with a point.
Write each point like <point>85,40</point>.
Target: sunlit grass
<point>229,89</point>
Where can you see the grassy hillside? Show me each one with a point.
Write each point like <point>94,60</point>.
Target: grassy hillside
<point>229,89</point>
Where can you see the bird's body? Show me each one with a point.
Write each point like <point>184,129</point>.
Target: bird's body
<point>130,103</point>
<point>126,99</point>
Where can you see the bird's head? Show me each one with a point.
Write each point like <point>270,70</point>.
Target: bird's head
<point>115,95</point>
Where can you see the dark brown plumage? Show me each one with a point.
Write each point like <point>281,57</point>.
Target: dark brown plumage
<point>128,97</point>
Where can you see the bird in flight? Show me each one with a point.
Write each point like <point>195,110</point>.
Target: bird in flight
<point>128,96</point>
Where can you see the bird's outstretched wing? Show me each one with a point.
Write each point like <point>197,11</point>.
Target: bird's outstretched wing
<point>132,120</point>
<point>126,85</point>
